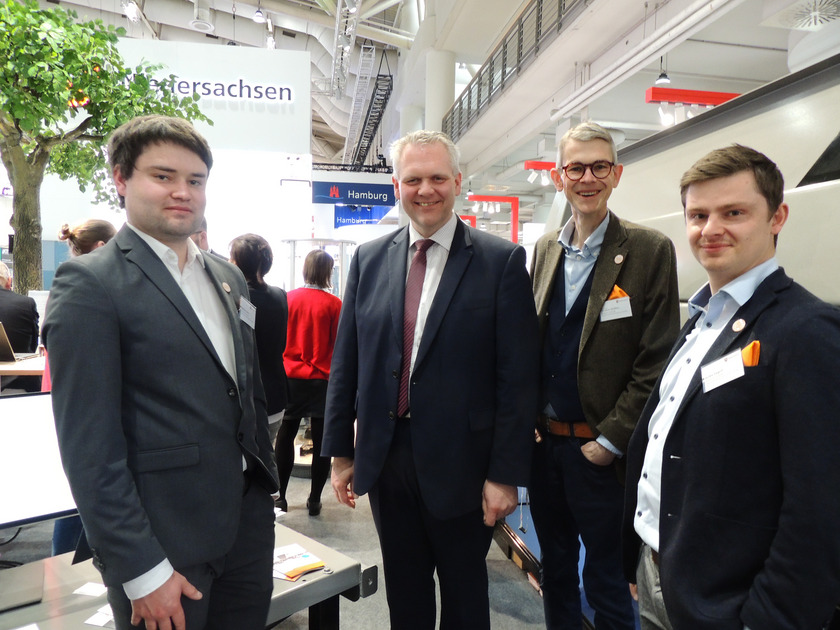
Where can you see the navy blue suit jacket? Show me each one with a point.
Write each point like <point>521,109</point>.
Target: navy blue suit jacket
<point>750,499</point>
<point>474,384</point>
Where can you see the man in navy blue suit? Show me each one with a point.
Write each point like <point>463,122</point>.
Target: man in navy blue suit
<point>732,480</point>
<point>442,461</point>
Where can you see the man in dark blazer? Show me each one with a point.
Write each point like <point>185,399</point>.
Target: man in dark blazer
<point>158,403</point>
<point>732,494</point>
<point>18,314</point>
<point>442,465</point>
<point>608,307</point>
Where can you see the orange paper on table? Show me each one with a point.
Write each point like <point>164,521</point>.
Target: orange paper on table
<point>617,292</point>
<point>750,354</point>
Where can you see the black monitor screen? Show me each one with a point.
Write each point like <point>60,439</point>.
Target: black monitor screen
<point>32,483</point>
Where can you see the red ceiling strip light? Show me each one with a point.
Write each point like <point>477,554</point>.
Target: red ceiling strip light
<point>537,165</point>
<point>514,211</point>
<point>686,97</point>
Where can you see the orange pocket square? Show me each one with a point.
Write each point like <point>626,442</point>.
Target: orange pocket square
<point>616,293</point>
<point>750,354</point>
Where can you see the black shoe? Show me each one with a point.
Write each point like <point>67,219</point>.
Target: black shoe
<point>314,507</point>
<point>281,503</point>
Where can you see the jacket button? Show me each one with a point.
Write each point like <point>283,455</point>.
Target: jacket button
<point>392,415</point>
<point>395,373</point>
<point>232,392</point>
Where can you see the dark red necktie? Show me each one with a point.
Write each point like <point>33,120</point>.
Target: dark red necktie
<point>413,290</point>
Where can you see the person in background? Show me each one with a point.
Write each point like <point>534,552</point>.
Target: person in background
<point>81,239</point>
<point>313,320</point>
<point>731,513</point>
<point>163,431</point>
<point>608,306</point>
<point>253,255</point>
<point>199,237</point>
<point>19,315</point>
<point>437,357</point>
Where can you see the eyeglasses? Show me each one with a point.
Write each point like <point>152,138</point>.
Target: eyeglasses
<point>600,169</point>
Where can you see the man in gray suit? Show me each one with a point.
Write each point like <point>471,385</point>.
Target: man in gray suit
<point>158,403</point>
<point>606,297</point>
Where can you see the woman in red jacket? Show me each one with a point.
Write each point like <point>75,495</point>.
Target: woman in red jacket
<point>313,321</point>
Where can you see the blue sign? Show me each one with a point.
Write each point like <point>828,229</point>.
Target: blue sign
<point>359,215</point>
<point>353,194</point>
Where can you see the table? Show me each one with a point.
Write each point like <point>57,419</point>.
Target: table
<point>27,367</point>
<point>61,609</point>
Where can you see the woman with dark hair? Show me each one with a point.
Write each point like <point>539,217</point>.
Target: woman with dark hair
<point>81,239</point>
<point>252,254</point>
<point>313,321</point>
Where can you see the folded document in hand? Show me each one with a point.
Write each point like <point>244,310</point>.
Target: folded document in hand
<point>292,561</point>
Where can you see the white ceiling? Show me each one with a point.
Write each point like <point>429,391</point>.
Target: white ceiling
<point>726,49</point>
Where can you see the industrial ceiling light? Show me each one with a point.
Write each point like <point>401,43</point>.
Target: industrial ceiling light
<point>259,16</point>
<point>663,78</point>
<point>532,176</point>
<point>545,180</point>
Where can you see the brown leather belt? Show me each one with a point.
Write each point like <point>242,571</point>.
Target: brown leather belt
<point>566,429</point>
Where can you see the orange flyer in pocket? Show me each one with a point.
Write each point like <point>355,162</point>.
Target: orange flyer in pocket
<point>617,292</point>
<point>750,354</point>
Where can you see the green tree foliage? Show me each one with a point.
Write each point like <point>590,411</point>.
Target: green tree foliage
<point>63,88</point>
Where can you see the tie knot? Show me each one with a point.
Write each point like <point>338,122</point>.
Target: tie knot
<point>424,244</point>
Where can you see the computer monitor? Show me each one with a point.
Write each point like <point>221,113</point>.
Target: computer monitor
<point>33,487</point>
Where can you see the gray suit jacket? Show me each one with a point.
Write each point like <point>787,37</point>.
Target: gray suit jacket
<point>151,427</point>
<point>618,360</point>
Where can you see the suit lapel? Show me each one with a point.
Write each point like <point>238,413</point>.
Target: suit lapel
<point>230,301</point>
<point>552,258</point>
<point>611,258</point>
<point>730,339</point>
<point>397,274</point>
<point>140,254</point>
<point>460,254</point>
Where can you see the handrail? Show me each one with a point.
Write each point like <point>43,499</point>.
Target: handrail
<point>538,25</point>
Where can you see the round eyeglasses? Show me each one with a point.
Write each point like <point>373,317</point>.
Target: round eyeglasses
<point>600,169</point>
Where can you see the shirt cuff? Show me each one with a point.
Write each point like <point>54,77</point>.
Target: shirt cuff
<point>150,581</point>
<point>609,446</point>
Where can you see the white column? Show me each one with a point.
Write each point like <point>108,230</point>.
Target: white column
<point>440,86</point>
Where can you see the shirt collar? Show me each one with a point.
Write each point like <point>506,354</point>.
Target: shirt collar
<point>166,253</point>
<point>740,289</point>
<point>592,245</point>
<point>442,237</point>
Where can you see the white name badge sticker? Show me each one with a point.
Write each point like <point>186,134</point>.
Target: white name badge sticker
<point>247,312</point>
<point>619,308</point>
<point>722,371</point>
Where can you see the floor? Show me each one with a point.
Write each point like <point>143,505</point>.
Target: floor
<point>514,603</point>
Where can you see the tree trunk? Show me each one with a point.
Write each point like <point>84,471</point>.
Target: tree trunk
<point>26,176</point>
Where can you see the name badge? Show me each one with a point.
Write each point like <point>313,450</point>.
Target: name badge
<point>722,371</point>
<point>619,308</point>
<point>247,312</point>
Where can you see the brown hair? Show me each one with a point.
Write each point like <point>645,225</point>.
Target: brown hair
<point>253,255</point>
<point>317,268</point>
<point>83,238</point>
<point>129,141</point>
<point>734,159</point>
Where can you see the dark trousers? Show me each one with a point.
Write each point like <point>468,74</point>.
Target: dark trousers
<point>284,452</point>
<point>236,588</point>
<point>572,497</point>
<point>415,544</point>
